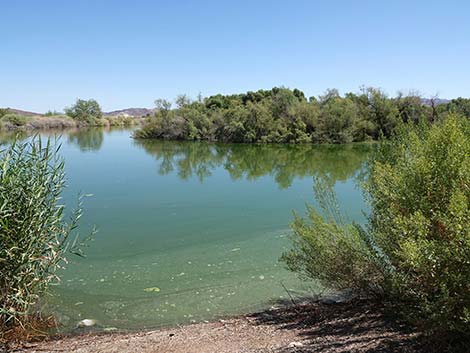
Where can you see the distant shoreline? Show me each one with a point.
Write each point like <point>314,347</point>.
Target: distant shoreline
<point>39,122</point>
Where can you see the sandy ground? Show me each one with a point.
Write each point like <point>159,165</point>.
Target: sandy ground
<point>305,328</point>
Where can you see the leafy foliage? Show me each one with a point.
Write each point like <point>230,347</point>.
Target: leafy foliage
<point>14,119</point>
<point>415,250</point>
<point>282,115</point>
<point>7,117</point>
<point>420,194</point>
<point>3,112</point>
<point>88,111</point>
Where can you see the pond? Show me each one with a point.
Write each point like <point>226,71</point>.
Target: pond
<point>189,231</point>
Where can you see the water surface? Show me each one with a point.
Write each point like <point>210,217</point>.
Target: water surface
<point>188,231</point>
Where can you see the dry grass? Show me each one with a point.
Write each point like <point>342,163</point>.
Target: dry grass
<point>33,328</point>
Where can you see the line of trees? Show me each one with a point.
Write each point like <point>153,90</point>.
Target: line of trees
<point>282,115</point>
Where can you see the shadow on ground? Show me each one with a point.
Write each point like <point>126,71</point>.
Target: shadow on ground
<point>349,327</point>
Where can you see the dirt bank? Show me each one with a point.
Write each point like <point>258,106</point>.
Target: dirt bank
<point>347,327</point>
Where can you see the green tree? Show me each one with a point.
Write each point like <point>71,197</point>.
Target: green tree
<point>381,112</point>
<point>459,106</point>
<point>163,106</point>
<point>88,111</point>
<point>337,122</point>
<point>410,108</point>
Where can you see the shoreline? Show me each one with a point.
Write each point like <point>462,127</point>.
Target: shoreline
<point>47,123</point>
<point>357,326</point>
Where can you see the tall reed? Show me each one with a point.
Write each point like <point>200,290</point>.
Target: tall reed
<point>35,233</point>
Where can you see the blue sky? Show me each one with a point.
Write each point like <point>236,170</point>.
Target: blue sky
<point>128,53</point>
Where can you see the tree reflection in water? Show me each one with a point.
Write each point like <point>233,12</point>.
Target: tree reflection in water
<point>244,161</point>
<point>88,139</point>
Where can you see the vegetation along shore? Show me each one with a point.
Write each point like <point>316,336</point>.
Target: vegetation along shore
<point>84,113</point>
<point>403,273</point>
<point>282,115</point>
<point>278,115</point>
<point>234,176</point>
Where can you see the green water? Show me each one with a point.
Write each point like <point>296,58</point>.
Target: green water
<point>188,231</point>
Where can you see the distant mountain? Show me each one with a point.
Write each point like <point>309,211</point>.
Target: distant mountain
<point>437,101</point>
<point>136,112</point>
<point>23,112</point>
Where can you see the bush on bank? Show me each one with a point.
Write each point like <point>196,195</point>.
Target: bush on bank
<point>414,251</point>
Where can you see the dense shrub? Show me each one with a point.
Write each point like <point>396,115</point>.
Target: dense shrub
<point>52,122</point>
<point>14,119</point>
<point>281,115</point>
<point>34,237</point>
<point>3,112</point>
<point>415,250</point>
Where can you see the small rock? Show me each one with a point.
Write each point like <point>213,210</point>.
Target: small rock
<point>328,301</point>
<point>295,344</point>
<point>86,323</point>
